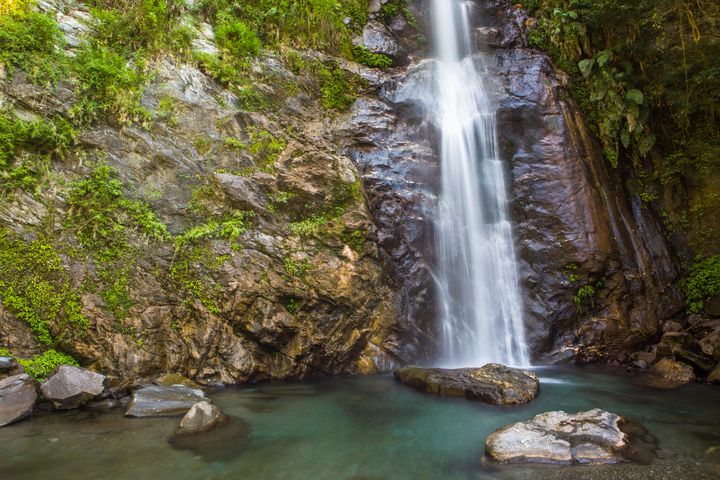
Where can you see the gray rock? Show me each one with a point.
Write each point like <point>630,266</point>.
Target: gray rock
<point>203,416</point>
<point>17,398</point>
<point>377,38</point>
<point>7,364</point>
<point>492,383</point>
<point>71,387</point>
<point>163,401</point>
<point>710,344</point>
<point>595,436</point>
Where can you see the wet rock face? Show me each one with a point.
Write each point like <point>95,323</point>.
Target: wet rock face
<point>71,387</point>
<point>493,383</point>
<point>576,225</point>
<point>17,398</point>
<point>595,436</point>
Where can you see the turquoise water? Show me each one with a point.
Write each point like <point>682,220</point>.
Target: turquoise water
<point>361,428</point>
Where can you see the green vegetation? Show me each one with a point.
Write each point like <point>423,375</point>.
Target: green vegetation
<point>309,227</point>
<point>38,140</point>
<point>394,7</point>
<point>236,37</point>
<point>36,288</point>
<point>229,228</point>
<point>42,365</point>
<point>293,306</point>
<point>32,42</point>
<point>297,268</point>
<point>702,282</point>
<point>108,84</point>
<point>583,297</point>
<point>103,218</point>
<point>371,59</point>
<point>151,26</point>
<point>265,148</point>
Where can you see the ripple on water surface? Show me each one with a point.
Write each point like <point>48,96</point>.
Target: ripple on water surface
<point>362,428</point>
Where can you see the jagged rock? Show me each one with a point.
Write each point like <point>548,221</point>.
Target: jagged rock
<point>17,398</point>
<point>163,401</point>
<point>643,359</point>
<point>492,383</point>
<point>595,436</point>
<point>377,38</point>
<point>673,372</point>
<point>712,306</point>
<point>710,344</point>
<point>71,387</point>
<point>673,341</point>
<point>201,417</point>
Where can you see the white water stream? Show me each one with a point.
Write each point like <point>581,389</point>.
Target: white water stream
<point>481,305</point>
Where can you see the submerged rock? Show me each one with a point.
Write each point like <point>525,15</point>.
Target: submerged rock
<point>176,379</point>
<point>17,398</point>
<point>203,416</point>
<point>71,387</point>
<point>163,401</point>
<point>492,383</point>
<point>595,436</point>
<point>217,444</point>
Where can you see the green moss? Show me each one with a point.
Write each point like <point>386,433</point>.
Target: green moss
<point>36,288</point>
<point>371,59</point>
<point>395,7</point>
<point>702,282</point>
<point>293,306</point>
<point>265,148</point>
<point>336,90</point>
<point>228,228</point>
<point>167,111</point>
<point>41,366</point>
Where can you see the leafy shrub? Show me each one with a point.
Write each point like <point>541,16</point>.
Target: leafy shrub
<point>702,282</point>
<point>40,137</point>
<point>42,365</point>
<point>32,42</point>
<point>309,227</point>
<point>108,84</point>
<point>236,37</point>
<point>336,91</point>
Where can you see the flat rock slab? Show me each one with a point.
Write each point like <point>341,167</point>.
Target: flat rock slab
<point>595,436</point>
<point>17,398</point>
<point>71,387</point>
<point>163,401</point>
<point>493,383</point>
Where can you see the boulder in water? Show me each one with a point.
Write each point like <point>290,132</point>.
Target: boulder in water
<point>163,401</point>
<point>595,436</point>
<point>71,387</point>
<point>17,398</point>
<point>669,372</point>
<point>493,383</point>
<point>203,416</point>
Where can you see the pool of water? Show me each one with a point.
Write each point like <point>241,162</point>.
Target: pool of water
<point>362,428</point>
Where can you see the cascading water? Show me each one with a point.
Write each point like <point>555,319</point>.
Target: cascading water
<point>481,306</point>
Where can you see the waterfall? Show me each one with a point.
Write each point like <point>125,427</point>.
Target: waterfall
<point>480,301</point>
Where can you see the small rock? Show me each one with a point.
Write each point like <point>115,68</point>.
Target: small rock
<point>710,344</point>
<point>203,416</point>
<point>595,436</point>
<point>493,383</point>
<point>712,306</point>
<point>176,379</point>
<point>17,398</point>
<point>671,326</point>
<point>377,38</point>
<point>7,364</point>
<point>673,372</point>
<point>643,359</point>
<point>71,387</point>
<point>163,401</point>
<point>714,376</point>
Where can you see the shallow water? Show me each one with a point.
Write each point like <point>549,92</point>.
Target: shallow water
<point>362,428</point>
